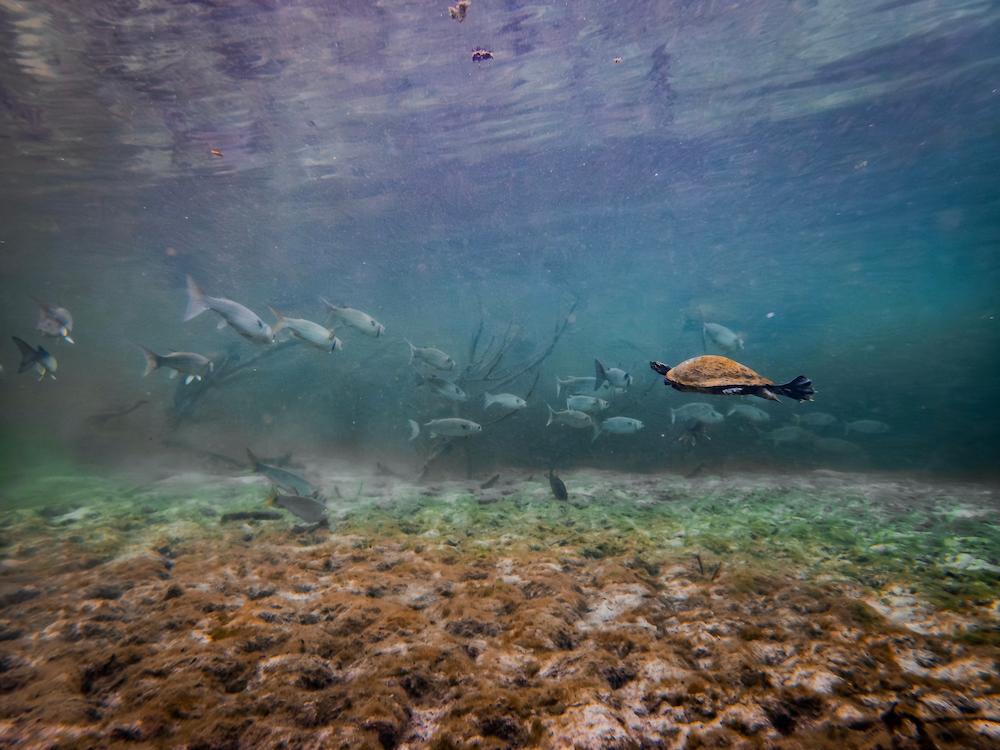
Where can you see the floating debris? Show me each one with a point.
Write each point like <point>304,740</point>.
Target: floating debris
<point>458,11</point>
<point>479,54</point>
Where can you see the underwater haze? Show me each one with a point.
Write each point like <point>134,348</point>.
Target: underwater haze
<point>329,414</point>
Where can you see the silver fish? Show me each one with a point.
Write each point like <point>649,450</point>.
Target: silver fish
<point>749,413</point>
<point>285,479</point>
<point>54,321</point>
<point>305,330</point>
<point>194,366</point>
<point>241,319</point>
<point>614,375</point>
<point>618,426</point>
<point>816,419</point>
<point>310,509</point>
<point>506,400</point>
<point>43,362</point>
<point>699,412</point>
<point>443,388</point>
<point>789,434</point>
<point>836,446</point>
<point>570,417</point>
<point>450,427</point>
<point>866,427</point>
<point>723,337</point>
<point>356,319</point>
<point>572,384</point>
<point>431,356</point>
<point>586,404</point>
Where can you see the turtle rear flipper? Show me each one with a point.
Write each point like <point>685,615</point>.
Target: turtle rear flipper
<point>801,389</point>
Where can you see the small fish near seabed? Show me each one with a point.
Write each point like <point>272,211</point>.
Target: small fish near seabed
<point>444,388</point>
<point>789,434</point>
<point>359,321</point>
<point>481,55</point>
<point>54,321</point>
<point>866,427</point>
<point>450,427</point>
<point>241,319</point>
<point>570,417</point>
<point>837,447</point>
<point>815,419</point>
<point>193,366</point>
<point>557,486</point>
<point>430,356</point>
<point>43,362</point>
<point>722,337</point>
<point>285,479</point>
<point>749,413</point>
<point>309,508</point>
<point>618,426</point>
<point>697,412</point>
<point>586,404</point>
<point>721,376</point>
<point>616,376</point>
<point>307,332</point>
<point>504,400</point>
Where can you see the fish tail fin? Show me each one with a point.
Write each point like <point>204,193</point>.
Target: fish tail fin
<point>551,414</point>
<point>600,374</point>
<point>330,307</point>
<point>196,300</point>
<point>704,339</point>
<point>272,496</point>
<point>413,349</point>
<point>801,389</point>
<point>414,429</point>
<point>558,387</point>
<point>254,461</point>
<point>488,399</point>
<point>673,416</point>
<point>28,354</point>
<point>279,321</point>
<point>597,430</point>
<point>152,360</point>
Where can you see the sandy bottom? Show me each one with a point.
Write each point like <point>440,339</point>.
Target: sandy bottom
<point>810,611</point>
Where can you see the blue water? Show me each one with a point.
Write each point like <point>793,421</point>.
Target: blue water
<point>819,177</point>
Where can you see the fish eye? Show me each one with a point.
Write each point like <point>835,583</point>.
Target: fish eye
<point>260,323</point>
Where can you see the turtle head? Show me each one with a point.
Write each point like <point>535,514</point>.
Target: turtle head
<point>659,367</point>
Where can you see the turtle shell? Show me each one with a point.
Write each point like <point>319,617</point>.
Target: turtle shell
<point>711,371</point>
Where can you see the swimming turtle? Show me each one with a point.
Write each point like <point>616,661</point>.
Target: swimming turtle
<point>726,377</point>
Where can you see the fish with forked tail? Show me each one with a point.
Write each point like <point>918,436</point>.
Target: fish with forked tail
<point>43,362</point>
<point>54,321</point>
<point>616,376</point>
<point>307,331</point>
<point>193,366</point>
<point>241,319</point>
<point>356,319</point>
<point>285,479</point>
<point>310,509</point>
